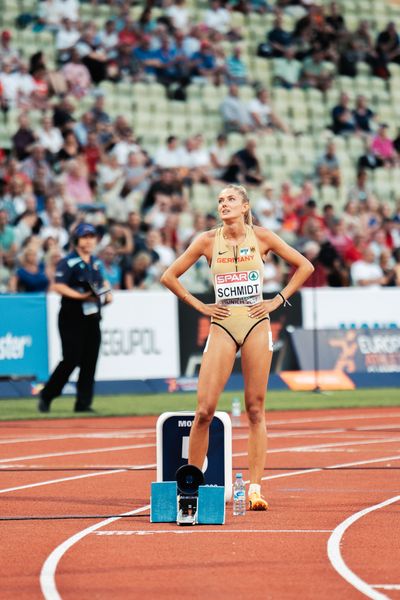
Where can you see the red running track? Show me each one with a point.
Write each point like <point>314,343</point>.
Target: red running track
<point>333,530</point>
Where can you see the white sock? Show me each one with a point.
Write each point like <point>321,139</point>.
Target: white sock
<point>255,487</point>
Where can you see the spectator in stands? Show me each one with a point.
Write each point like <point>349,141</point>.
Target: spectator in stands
<point>217,17</point>
<point>195,161</point>
<point>348,59</point>
<point>63,114</point>
<point>110,266</point>
<point>327,168</point>
<point>343,119</point>
<point>244,166</point>
<point>338,236</point>
<point>317,72</point>
<point>396,267</point>
<point>92,54</point>
<point>54,11</point>
<point>263,117</point>
<point>364,41</point>
<point>365,272</point>
<point>137,173</point>
<point>168,156</point>
<point>7,52</point>
<point>70,148</point>
<point>8,246</point>
<point>76,186</point>
<point>382,146</point>
<point>108,38</point>
<point>9,85</point>
<point>145,55</point>
<point>23,138</point>
<point>351,218</point>
<point>219,156</point>
<point>287,70</point>
<point>98,112</point>
<point>50,138</point>
<point>369,160</point>
<point>30,276</point>
<point>363,115</point>
<point>204,64</point>
<point>335,20</point>
<point>267,210</point>
<point>55,230</point>
<point>36,163</point>
<point>179,15</point>
<point>77,75</point>
<point>278,40</point>
<point>311,250</point>
<point>141,274</point>
<point>52,257</point>
<point>235,113</point>
<point>125,145</point>
<point>166,184</point>
<point>66,38</point>
<point>236,70</point>
<point>309,218</point>
<point>388,43</point>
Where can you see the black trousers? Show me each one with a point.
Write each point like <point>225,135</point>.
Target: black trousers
<point>80,340</point>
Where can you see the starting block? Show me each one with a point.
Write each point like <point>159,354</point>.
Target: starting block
<point>186,501</point>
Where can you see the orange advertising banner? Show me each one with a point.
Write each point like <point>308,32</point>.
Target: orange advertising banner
<point>310,380</point>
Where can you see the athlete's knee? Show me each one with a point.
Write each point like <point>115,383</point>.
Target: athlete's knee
<point>256,411</point>
<point>204,415</point>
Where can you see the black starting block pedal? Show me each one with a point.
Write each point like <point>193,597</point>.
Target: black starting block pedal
<point>188,480</point>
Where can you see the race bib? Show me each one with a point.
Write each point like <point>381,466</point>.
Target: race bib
<point>238,288</point>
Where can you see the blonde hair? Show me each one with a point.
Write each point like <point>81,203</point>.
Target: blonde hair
<point>241,190</point>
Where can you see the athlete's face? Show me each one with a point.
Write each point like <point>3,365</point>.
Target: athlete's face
<point>231,205</point>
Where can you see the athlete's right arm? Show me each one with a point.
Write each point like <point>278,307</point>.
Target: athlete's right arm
<point>201,246</point>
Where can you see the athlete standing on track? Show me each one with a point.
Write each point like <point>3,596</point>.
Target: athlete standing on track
<point>240,317</point>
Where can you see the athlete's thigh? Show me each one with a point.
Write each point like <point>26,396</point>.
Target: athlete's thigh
<point>256,355</point>
<point>216,365</point>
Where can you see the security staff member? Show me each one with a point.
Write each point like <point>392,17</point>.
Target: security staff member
<point>80,282</point>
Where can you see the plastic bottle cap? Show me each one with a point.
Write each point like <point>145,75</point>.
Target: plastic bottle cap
<point>238,476</point>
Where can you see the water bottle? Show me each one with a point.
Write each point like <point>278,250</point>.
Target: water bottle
<point>236,412</point>
<point>239,496</point>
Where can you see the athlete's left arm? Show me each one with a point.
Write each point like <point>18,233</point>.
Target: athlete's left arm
<point>269,241</point>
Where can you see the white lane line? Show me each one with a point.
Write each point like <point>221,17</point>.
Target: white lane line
<point>386,586</point>
<point>335,555</point>
<point>335,418</point>
<point>303,448</point>
<point>270,422</point>
<point>72,436</point>
<point>85,476</point>
<point>331,467</point>
<point>285,434</point>
<point>76,452</point>
<point>309,448</point>
<point>185,530</point>
<point>47,574</point>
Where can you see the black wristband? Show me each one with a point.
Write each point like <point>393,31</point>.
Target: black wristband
<point>284,300</point>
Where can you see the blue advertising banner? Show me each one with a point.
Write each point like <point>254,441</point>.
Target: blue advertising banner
<point>351,351</point>
<point>23,336</point>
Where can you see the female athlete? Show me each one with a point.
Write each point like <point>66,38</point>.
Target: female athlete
<point>239,319</point>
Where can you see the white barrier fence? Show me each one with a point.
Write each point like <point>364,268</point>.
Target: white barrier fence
<point>139,336</point>
<point>140,330</point>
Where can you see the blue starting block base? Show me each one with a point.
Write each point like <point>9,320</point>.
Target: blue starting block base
<point>164,503</point>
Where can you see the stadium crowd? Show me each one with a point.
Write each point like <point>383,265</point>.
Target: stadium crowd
<point>93,167</point>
